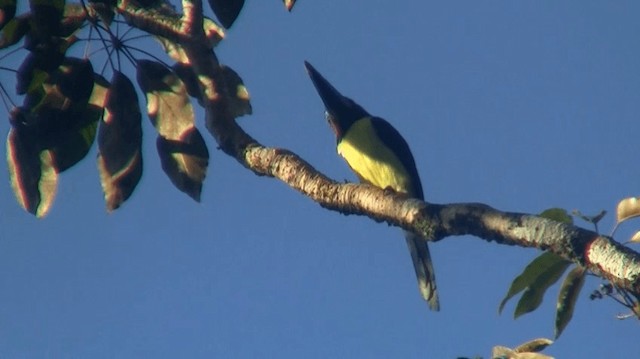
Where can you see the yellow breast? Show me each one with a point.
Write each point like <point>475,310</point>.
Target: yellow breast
<point>371,159</point>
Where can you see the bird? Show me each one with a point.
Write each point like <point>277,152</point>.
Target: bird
<point>381,157</point>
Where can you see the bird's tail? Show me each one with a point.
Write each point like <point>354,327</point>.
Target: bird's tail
<point>424,269</point>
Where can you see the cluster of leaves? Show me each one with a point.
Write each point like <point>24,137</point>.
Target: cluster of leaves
<point>548,268</point>
<point>67,105</point>
<point>55,126</point>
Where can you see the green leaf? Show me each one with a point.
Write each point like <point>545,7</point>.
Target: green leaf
<point>533,294</point>
<point>558,215</point>
<point>120,142</point>
<point>182,149</point>
<point>567,298</point>
<point>185,161</point>
<point>14,30</point>
<point>7,11</point>
<point>226,11</point>
<point>534,279</point>
<point>168,103</point>
<point>238,96</point>
<point>33,176</point>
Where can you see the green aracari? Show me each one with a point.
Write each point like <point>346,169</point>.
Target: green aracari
<point>379,156</point>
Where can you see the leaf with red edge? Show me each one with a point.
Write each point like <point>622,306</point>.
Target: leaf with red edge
<point>120,142</point>
<point>33,176</point>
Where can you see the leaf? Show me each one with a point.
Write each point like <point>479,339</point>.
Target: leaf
<point>149,3</point>
<point>105,10</point>
<point>38,68</point>
<point>185,161</point>
<point>289,4</point>
<point>100,91</point>
<point>46,17</point>
<point>501,352</point>
<point>7,11</point>
<point>33,177</point>
<point>66,89</point>
<point>14,30</point>
<point>635,238</point>
<point>628,208</point>
<point>533,346</point>
<point>226,11</point>
<point>120,142</point>
<point>212,31</point>
<point>75,79</point>
<point>186,74</point>
<point>567,298</point>
<point>57,114</point>
<point>168,103</point>
<point>541,270</point>
<point>558,215</point>
<point>74,146</point>
<point>182,149</point>
<point>532,296</point>
<point>239,99</point>
<point>74,18</point>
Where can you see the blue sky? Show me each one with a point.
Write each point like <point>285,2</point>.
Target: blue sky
<point>521,105</point>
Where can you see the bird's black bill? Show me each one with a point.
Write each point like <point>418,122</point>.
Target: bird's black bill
<point>341,108</point>
<point>332,99</point>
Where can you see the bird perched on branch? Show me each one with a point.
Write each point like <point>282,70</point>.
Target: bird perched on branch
<point>380,156</point>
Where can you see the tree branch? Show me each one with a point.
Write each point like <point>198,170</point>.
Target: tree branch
<point>600,254</point>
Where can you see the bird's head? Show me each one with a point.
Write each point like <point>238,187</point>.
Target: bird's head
<point>341,111</point>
